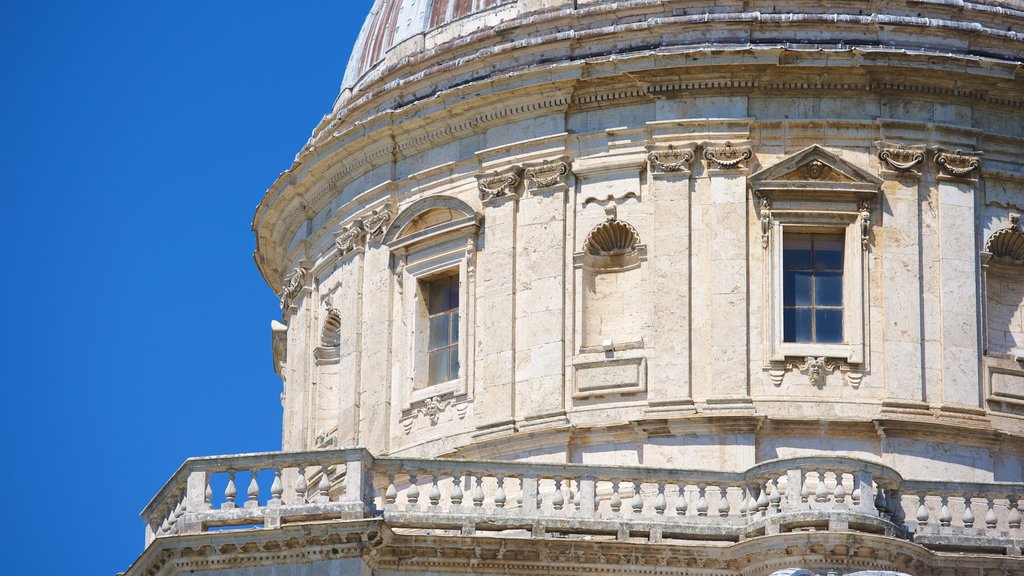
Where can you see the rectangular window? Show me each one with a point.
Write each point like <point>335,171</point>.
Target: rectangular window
<point>812,288</point>
<point>442,304</point>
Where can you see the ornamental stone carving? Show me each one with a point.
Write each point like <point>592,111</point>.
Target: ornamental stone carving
<point>1007,244</point>
<point>865,224</point>
<point>294,282</point>
<point>375,223</point>
<point>670,160</point>
<point>350,237</point>
<point>901,159</point>
<point>548,173</point>
<point>766,222</point>
<point>728,157</point>
<point>498,185</point>
<point>957,164</point>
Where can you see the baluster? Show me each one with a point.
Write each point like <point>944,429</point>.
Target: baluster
<point>253,493</point>
<point>968,516</point>
<point>230,492</point>
<point>858,492</point>
<point>723,501</point>
<point>744,501</point>
<point>805,489</point>
<point>499,495</point>
<point>774,498</point>
<point>616,500</point>
<point>557,499</point>
<point>839,494</point>
<point>478,492</point>
<point>882,502</point>
<point>762,498</point>
<point>660,503</point>
<point>821,492</point>
<point>300,486</point>
<point>276,488</point>
<point>391,493</point>
<point>456,495</point>
<point>1013,518</point>
<point>702,500</point>
<point>991,518</point>
<point>637,502</point>
<point>435,491</point>
<point>681,503</point>
<point>945,518</point>
<point>922,511</point>
<point>208,494</point>
<point>575,497</point>
<point>755,493</point>
<point>323,488</point>
<point>412,495</point>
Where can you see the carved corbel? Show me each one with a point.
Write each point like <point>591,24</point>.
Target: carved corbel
<point>956,164</point>
<point>376,222</point>
<point>293,283</point>
<point>816,369</point>
<point>431,408</point>
<point>670,160</point>
<point>498,185</point>
<point>901,159</point>
<point>548,173</point>
<point>350,237</point>
<point>728,157</point>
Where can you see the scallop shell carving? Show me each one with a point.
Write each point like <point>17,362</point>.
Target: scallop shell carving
<point>1008,243</point>
<point>610,238</point>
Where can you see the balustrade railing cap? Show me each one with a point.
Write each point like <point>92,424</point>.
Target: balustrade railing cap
<point>827,464</point>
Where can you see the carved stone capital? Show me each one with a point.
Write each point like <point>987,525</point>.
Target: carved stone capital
<point>728,157</point>
<point>350,237</point>
<point>901,159</point>
<point>957,164</point>
<point>548,173</point>
<point>375,223</point>
<point>498,185</point>
<point>670,160</point>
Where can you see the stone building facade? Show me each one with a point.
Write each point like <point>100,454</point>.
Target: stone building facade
<point>644,287</point>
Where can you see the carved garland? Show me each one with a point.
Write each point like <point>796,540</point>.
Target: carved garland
<point>350,237</point>
<point>547,174</point>
<point>499,185</point>
<point>956,163</point>
<point>376,222</point>
<point>294,282</point>
<point>728,156</point>
<point>901,159</point>
<point>816,369</point>
<point>659,161</point>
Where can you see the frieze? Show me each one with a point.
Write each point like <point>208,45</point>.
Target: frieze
<point>498,185</point>
<point>901,159</point>
<point>548,174</point>
<point>670,160</point>
<point>728,157</point>
<point>957,164</point>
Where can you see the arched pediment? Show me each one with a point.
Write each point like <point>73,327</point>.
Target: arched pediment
<point>431,219</point>
<point>814,170</point>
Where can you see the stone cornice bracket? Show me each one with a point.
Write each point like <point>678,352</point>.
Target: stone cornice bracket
<point>279,345</point>
<point>1007,244</point>
<point>728,157</point>
<point>548,173</point>
<point>350,237</point>
<point>901,159</point>
<point>293,284</point>
<point>957,164</point>
<point>816,369</point>
<point>375,223</point>
<point>670,160</point>
<point>495,186</point>
<point>766,222</point>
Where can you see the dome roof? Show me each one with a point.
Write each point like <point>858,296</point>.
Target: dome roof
<point>392,22</point>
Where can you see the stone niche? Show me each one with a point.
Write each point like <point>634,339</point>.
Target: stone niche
<point>1003,261</point>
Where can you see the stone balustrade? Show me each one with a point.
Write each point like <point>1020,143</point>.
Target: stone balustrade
<point>475,497</point>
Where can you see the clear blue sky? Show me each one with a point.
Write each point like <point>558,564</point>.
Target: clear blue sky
<point>137,138</point>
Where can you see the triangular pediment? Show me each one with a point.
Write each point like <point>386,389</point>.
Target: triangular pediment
<point>815,168</point>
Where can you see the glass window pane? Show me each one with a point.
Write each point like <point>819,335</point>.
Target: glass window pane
<point>802,288</point>
<point>438,366</point>
<point>452,293</point>
<point>796,252</point>
<point>829,326</point>
<point>828,289</point>
<point>802,325</point>
<point>435,297</point>
<point>455,327</point>
<point>828,252</point>
<point>454,363</point>
<point>789,325</point>
<point>438,334</point>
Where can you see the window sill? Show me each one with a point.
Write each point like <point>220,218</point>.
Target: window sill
<point>847,352</point>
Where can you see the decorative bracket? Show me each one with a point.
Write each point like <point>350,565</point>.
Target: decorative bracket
<point>548,173</point>
<point>500,184</point>
<point>816,369</point>
<point>670,160</point>
<point>350,237</point>
<point>432,408</point>
<point>728,157</point>
<point>901,159</point>
<point>865,224</point>
<point>766,221</point>
<point>956,163</point>
<point>294,282</point>
<point>376,222</point>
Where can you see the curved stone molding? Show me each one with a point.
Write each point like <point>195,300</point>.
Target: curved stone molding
<point>901,159</point>
<point>728,157</point>
<point>957,164</point>
<point>670,160</point>
<point>498,185</point>
<point>375,223</point>
<point>350,237</point>
<point>458,217</point>
<point>548,173</point>
<point>1007,244</point>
